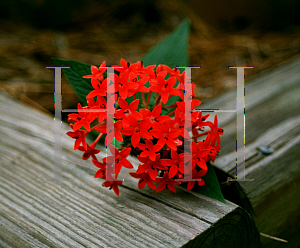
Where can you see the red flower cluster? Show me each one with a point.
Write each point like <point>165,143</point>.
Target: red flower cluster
<point>160,141</point>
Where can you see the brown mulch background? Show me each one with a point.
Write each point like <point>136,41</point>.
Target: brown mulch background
<point>26,50</point>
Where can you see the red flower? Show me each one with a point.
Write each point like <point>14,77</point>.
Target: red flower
<point>122,85</point>
<point>128,110</point>
<point>166,182</point>
<point>79,135</point>
<point>173,72</point>
<point>137,130</point>
<point>150,166</point>
<point>196,175</point>
<point>100,104</point>
<point>126,67</point>
<point>194,114</point>
<point>152,117</point>
<point>149,149</point>
<point>173,162</point>
<point>90,151</point>
<point>113,185</point>
<point>97,73</point>
<point>151,76</point>
<point>134,79</point>
<point>165,88</point>
<point>165,135</point>
<point>139,67</point>
<point>102,169</point>
<point>196,157</point>
<point>216,131</point>
<point>144,178</point>
<point>117,134</point>
<point>161,148</point>
<point>120,158</point>
<point>201,120</point>
<point>181,86</point>
<point>178,124</point>
<point>82,118</point>
<point>100,88</point>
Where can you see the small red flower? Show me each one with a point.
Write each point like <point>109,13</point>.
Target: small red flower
<point>150,166</point>
<point>82,118</point>
<point>90,151</point>
<point>196,175</point>
<point>117,134</point>
<point>134,79</point>
<point>173,72</point>
<point>173,163</point>
<point>178,124</point>
<point>149,150</point>
<point>113,185</point>
<point>119,159</point>
<point>164,134</point>
<point>102,169</point>
<point>128,110</point>
<point>166,182</point>
<point>216,131</point>
<point>100,104</point>
<point>137,130</point>
<point>122,85</point>
<point>126,67</point>
<point>152,117</point>
<point>165,88</point>
<point>201,120</point>
<point>193,114</point>
<point>195,157</point>
<point>97,73</point>
<point>79,135</point>
<point>99,88</point>
<point>144,178</point>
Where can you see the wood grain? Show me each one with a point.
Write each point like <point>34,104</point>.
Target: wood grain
<point>38,211</point>
<point>272,120</point>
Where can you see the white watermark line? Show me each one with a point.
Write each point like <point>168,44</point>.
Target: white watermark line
<point>57,166</point>
<point>217,110</point>
<point>187,176</point>
<point>83,110</point>
<point>240,121</point>
<point>110,129</point>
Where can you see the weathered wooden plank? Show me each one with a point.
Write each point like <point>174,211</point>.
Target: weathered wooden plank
<point>266,95</point>
<point>38,212</point>
<point>273,121</point>
<point>78,212</point>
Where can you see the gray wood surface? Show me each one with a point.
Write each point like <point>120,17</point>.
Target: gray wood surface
<point>37,211</point>
<point>272,120</point>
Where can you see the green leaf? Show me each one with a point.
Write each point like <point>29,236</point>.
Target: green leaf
<point>212,187</point>
<point>81,86</point>
<point>172,51</point>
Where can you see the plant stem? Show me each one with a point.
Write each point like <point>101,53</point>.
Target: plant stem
<point>143,98</point>
<point>158,96</point>
<point>171,106</point>
<point>201,134</point>
<point>98,125</point>
<point>148,100</point>
<point>171,113</point>
<point>96,140</point>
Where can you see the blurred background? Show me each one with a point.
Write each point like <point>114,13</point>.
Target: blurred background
<point>223,33</point>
